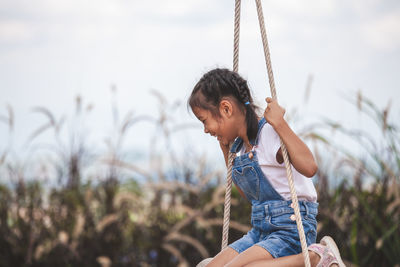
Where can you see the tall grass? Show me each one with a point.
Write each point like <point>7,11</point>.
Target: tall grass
<point>173,217</point>
<point>363,210</point>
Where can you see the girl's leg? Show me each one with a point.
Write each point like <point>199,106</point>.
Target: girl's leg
<point>254,253</point>
<point>287,261</point>
<point>257,256</point>
<point>223,257</point>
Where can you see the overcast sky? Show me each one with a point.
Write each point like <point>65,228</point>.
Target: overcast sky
<point>51,51</point>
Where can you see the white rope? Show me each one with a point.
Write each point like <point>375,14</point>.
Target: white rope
<point>227,206</point>
<point>283,147</point>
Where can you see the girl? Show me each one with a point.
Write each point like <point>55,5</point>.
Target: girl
<point>221,100</point>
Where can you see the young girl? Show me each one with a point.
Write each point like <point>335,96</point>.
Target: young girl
<point>221,100</point>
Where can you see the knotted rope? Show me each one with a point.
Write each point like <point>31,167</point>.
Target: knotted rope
<point>231,157</point>
<point>283,147</point>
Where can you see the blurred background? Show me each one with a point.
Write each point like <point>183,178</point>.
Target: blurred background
<point>103,164</point>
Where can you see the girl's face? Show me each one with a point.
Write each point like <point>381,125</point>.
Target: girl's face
<point>224,128</point>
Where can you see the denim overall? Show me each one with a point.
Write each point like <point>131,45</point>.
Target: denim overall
<point>272,218</point>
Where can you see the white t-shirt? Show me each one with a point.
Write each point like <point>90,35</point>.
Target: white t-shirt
<point>266,149</point>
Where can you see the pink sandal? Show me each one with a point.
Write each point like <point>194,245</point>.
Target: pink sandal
<point>328,252</point>
<point>326,256</point>
<point>330,243</point>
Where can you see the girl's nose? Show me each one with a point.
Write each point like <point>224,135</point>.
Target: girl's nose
<point>206,130</point>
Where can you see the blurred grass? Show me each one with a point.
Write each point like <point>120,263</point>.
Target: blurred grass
<point>174,217</point>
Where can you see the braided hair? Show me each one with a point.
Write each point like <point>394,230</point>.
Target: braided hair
<point>219,83</point>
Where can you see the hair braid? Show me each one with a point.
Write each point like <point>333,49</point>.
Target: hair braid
<point>243,89</point>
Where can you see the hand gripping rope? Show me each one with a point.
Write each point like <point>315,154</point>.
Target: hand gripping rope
<point>283,147</point>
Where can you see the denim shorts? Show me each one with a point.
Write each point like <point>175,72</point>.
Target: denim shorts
<point>274,228</point>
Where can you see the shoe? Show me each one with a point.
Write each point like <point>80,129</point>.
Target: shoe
<point>330,243</point>
<point>327,258</point>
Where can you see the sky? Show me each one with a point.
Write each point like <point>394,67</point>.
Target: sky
<point>52,51</point>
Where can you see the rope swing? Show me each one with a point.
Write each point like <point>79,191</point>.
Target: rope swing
<point>231,157</point>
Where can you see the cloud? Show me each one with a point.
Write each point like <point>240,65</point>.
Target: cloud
<point>62,8</point>
<point>13,31</point>
<point>383,33</point>
<point>48,21</point>
<point>314,8</point>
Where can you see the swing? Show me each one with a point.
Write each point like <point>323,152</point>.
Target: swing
<point>283,148</point>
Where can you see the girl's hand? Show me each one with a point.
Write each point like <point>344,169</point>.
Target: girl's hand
<point>274,112</point>
<point>299,154</point>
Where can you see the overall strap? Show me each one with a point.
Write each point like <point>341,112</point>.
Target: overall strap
<point>261,123</point>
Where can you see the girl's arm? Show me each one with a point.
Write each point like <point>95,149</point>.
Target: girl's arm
<point>299,154</point>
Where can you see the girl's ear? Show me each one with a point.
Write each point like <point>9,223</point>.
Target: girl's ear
<point>225,108</point>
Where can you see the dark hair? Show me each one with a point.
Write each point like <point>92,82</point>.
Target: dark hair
<point>219,83</point>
